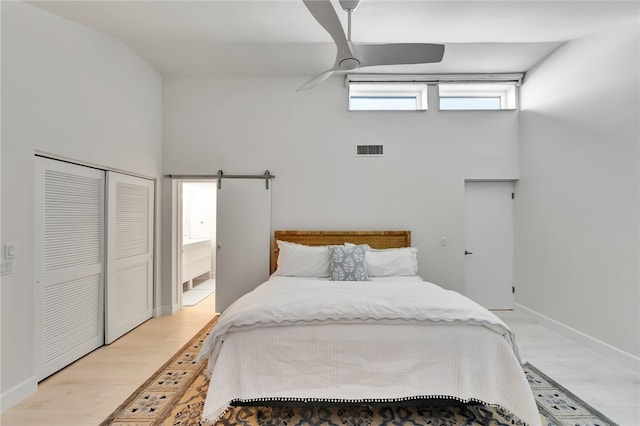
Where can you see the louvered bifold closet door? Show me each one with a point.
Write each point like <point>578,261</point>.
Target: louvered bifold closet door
<point>68,263</point>
<point>129,285</point>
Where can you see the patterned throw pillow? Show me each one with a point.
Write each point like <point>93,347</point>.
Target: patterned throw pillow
<point>347,263</point>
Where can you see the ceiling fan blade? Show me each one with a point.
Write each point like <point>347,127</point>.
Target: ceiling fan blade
<point>326,16</point>
<point>398,53</point>
<point>316,80</point>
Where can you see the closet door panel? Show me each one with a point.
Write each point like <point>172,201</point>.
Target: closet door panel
<point>130,221</point>
<point>69,256</point>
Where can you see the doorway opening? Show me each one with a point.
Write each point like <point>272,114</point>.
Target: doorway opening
<point>197,242</point>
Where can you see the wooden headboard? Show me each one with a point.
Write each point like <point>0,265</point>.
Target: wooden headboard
<point>375,239</point>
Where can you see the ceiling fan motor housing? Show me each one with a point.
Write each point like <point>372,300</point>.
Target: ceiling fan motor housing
<point>349,4</point>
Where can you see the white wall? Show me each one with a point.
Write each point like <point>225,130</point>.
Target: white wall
<point>73,92</point>
<point>577,209</point>
<point>246,126</point>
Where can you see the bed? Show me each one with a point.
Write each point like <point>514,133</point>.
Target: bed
<point>345,318</point>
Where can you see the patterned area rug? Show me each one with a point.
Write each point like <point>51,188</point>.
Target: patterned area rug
<point>559,406</point>
<point>175,395</point>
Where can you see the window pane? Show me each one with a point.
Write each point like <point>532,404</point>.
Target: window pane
<point>383,103</point>
<point>470,103</point>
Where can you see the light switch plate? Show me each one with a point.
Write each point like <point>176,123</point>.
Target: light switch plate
<point>9,251</point>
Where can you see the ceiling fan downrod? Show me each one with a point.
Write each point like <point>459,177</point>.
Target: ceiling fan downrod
<point>349,6</point>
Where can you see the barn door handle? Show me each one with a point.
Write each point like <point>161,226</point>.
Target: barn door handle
<point>466,252</point>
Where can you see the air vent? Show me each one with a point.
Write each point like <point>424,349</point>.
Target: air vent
<point>369,150</point>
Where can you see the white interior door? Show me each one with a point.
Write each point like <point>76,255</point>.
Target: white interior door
<point>489,243</point>
<point>68,263</point>
<point>129,286</point>
<point>244,238</point>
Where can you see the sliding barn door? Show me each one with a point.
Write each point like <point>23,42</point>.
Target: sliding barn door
<point>68,263</point>
<point>244,238</point>
<point>129,288</point>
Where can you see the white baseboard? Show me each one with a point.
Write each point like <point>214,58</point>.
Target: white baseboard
<point>17,393</point>
<point>599,346</point>
<point>166,310</point>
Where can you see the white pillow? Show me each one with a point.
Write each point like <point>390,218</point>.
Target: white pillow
<point>392,262</point>
<point>299,260</point>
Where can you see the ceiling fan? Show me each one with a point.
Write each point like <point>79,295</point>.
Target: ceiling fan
<point>351,56</point>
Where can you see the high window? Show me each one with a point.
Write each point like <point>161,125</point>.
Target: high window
<point>403,92</point>
<point>387,96</point>
<point>477,96</point>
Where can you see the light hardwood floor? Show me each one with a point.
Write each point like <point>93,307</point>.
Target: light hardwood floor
<point>90,389</point>
<point>87,391</point>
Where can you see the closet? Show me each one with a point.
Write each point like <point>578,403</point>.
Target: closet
<point>93,259</point>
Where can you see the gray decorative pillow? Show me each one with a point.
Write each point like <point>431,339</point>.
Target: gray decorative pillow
<point>347,263</point>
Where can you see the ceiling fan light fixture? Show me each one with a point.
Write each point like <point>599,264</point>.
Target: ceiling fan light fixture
<point>349,64</point>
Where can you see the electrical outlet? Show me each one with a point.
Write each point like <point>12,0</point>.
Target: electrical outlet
<point>7,267</point>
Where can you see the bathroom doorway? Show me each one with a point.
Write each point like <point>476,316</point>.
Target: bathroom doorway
<point>198,241</point>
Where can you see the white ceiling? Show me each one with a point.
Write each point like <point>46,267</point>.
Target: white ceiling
<point>281,38</point>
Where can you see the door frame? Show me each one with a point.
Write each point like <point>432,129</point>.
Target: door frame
<point>178,233</point>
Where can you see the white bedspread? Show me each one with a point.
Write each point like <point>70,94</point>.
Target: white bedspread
<point>388,340</point>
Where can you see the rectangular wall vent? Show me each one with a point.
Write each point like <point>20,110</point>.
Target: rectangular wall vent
<point>369,150</point>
